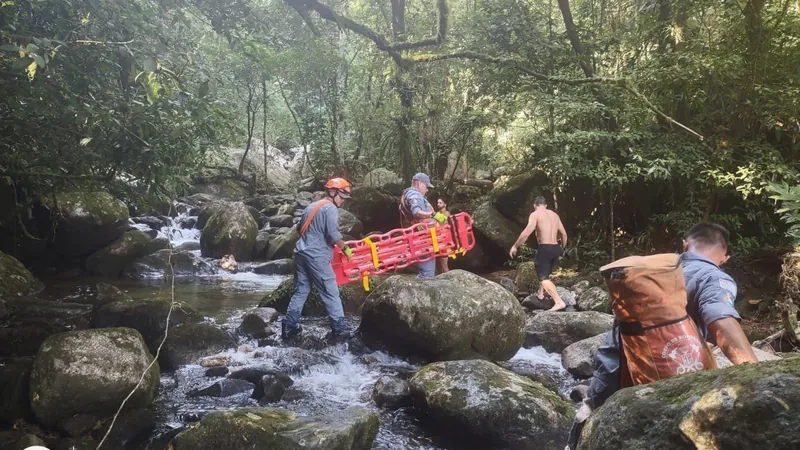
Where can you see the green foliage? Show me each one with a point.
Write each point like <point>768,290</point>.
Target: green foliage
<point>789,196</point>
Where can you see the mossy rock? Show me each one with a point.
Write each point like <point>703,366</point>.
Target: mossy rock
<point>230,231</point>
<point>749,406</point>
<point>352,295</point>
<point>354,428</point>
<point>499,233</point>
<point>526,280</point>
<point>15,279</point>
<point>281,245</point>
<point>91,371</point>
<point>557,330</point>
<point>164,263</point>
<point>188,342</point>
<point>111,260</point>
<point>377,209</point>
<point>513,196</point>
<point>87,221</point>
<point>455,315</point>
<point>492,404</point>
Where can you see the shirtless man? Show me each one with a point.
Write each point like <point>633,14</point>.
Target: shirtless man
<point>548,226</point>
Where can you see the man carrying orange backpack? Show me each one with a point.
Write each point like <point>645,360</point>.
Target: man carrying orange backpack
<point>319,232</point>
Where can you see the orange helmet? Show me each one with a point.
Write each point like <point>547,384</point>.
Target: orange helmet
<point>340,185</point>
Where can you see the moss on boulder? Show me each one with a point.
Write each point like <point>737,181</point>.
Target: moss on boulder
<point>556,331</point>
<point>231,230</point>
<point>526,281</point>
<point>15,279</point>
<point>513,195</point>
<point>111,260</point>
<point>87,221</point>
<point>281,245</point>
<point>352,295</point>
<point>354,428</point>
<point>91,371</point>
<point>491,403</point>
<point>158,265</point>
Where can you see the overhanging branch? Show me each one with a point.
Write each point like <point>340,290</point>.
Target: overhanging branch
<point>441,31</point>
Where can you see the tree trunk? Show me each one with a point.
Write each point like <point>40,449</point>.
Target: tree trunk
<point>251,125</point>
<point>264,131</point>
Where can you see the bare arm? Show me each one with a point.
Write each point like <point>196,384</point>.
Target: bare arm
<point>563,233</point>
<point>731,339</point>
<point>524,235</point>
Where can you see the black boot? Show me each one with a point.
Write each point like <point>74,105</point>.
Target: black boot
<point>288,332</point>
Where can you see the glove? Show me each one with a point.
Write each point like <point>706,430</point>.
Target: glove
<point>439,217</point>
<point>347,252</point>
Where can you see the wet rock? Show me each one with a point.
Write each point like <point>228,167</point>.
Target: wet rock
<point>546,375</point>
<point>566,295</point>
<point>111,260</point>
<point>187,343</point>
<point>3,309</point>
<point>216,361</point>
<point>78,444</point>
<point>87,221</point>
<point>294,395</point>
<point>391,392</point>
<point>594,299</point>
<point>188,246</point>
<point>90,371</point>
<point>535,303</point>
<point>376,209</point>
<point>282,244</point>
<point>349,224</point>
<point>107,294</point>
<point>187,223</point>
<point>214,372</point>
<point>15,279</point>
<point>271,387</point>
<point>287,210</point>
<point>513,196</point>
<point>579,393</point>
<point>231,230</point>
<point>527,282</point>
<point>580,287</point>
<point>476,260</point>
<point>578,358</point>
<point>556,331</point>
<point>223,388</point>
<point>496,230</point>
<point>228,263</point>
<point>481,399</point>
<point>155,223</point>
<point>278,267</point>
<point>748,406</point>
<point>14,377</point>
<point>255,327</point>
<point>207,210</point>
<point>79,424</point>
<point>457,314</point>
<point>147,316</point>
<point>281,220</point>
<point>354,428</point>
<point>158,265</point>
<point>260,247</point>
<point>132,426</point>
<point>508,284</point>
<point>33,320</point>
<point>352,296</point>
<point>296,361</point>
<point>761,355</point>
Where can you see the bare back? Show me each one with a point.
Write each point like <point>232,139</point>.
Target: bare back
<point>547,225</point>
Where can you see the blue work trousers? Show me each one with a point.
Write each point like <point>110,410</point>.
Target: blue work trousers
<point>320,273</point>
<point>427,269</point>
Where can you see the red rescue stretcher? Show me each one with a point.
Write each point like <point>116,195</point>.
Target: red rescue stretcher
<point>403,247</point>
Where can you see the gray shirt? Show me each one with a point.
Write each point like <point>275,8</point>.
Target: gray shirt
<point>322,234</point>
<point>415,202</point>
<point>710,295</point>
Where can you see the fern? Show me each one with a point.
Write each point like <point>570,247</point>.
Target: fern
<point>789,196</point>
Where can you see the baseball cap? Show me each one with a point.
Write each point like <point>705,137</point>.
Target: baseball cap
<point>424,178</point>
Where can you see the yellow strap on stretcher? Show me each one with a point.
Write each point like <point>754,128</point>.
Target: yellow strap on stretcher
<point>365,282</point>
<point>374,251</point>
<point>435,240</point>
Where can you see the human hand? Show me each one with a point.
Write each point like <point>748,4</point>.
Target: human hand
<point>439,217</point>
<point>512,252</point>
<point>348,252</point>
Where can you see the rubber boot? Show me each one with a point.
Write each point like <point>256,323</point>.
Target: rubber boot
<point>288,332</point>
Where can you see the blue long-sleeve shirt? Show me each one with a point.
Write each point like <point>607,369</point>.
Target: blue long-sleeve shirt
<point>322,234</point>
<point>710,295</point>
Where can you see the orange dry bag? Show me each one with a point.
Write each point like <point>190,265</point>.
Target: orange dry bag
<point>657,336</point>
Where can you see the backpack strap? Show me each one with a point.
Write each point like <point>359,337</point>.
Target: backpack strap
<point>404,212</point>
<point>311,215</point>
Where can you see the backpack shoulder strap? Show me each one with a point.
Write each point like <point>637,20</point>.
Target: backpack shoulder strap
<point>311,215</point>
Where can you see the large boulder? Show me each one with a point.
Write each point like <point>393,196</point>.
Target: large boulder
<point>594,299</point>
<point>761,355</point>
<point>513,196</point>
<point>87,221</point>
<point>349,224</point>
<point>230,231</point>
<point>526,281</point>
<point>481,399</point>
<point>496,233</point>
<point>15,279</point>
<point>352,296</point>
<point>91,371</point>
<point>557,330</point>
<point>750,406</point>
<point>391,392</point>
<point>578,358</point>
<point>164,263</point>
<point>377,209</point>
<point>189,342</point>
<point>14,379</point>
<point>32,320</point>
<point>475,260</point>
<point>260,428</point>
<point>281,221</point>
<point>111,260</point>
<point>383,179</point>
<point>147,316</point>
<point>278,267</point>
<point>455,315</point>
<point>281,245</point>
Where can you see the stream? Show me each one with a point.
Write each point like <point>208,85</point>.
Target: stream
<point>325,379</point>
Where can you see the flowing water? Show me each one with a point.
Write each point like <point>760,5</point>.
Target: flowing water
<point>325,379</point>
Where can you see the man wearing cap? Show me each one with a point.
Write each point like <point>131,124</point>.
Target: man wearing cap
<point>414,208</point>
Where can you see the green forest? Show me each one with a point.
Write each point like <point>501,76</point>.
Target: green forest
<point>649,115</point>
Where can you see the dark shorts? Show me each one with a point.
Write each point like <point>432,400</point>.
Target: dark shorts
<point>546,258</point>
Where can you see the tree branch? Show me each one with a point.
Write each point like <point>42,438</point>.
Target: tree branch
<point>441,31</point>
